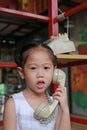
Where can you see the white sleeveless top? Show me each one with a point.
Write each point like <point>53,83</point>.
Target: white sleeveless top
<point>25,118</point>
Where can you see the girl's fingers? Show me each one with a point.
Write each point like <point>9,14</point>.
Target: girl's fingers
<point>60,94</point>
<point>60,90</point>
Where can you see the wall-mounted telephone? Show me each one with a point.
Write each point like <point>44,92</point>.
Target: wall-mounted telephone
<point>45,110</point>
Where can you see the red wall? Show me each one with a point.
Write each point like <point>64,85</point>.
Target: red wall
<point>13,4</point>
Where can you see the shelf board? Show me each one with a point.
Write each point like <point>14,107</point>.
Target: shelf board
<point>1,123</point>
<point>78,119</point>
<point>66,60</point>
<point>8,64</point>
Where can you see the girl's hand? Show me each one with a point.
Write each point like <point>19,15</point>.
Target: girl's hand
<point>61,95</point>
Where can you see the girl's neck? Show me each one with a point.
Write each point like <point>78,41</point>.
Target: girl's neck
<point>32,94</point>
<point>35,99</point>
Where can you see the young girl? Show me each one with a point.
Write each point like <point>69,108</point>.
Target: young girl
<point>36,64</point>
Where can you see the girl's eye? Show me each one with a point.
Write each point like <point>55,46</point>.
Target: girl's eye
<point>33,68</point>
<point>46,67</point>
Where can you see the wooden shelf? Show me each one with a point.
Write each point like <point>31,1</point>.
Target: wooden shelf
<point>78,119</point>
<point>8,64</point>
<point>69,58</point>
<point>66,60</point>
<point>17,24</point>
<point>1,123</point>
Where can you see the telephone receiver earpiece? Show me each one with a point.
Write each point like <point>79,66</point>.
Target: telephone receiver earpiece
<point>45,110</point>
<point>59,77</point>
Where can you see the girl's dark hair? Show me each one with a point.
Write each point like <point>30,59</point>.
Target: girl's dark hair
<point>21,55</point>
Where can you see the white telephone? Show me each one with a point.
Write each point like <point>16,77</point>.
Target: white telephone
<point>45,110</point>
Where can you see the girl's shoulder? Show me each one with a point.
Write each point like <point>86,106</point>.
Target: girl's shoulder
<point>15,95</point>
<point>18,97</point>
<point>18,100</point>
<point>9,101</point>
<point>9,105</point>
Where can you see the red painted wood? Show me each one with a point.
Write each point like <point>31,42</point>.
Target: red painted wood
<point>75,9</point>
<point>1,123</point>
<point>13,4</point>
<point>74,63</point>
<point>8,64</point>
<point>53,12</point>
<point>24,14</point>
<point>80,120</point>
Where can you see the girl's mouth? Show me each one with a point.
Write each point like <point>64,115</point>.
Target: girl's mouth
<point>40,84</point>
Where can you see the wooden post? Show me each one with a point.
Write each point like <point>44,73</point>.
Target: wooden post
<point>53,12</point>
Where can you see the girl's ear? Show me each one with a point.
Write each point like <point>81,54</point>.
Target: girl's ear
<point>20,71</point>
<point>55,67</point>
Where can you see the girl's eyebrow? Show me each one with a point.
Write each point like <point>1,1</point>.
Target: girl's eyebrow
<point>33,63</point>
<point>47,63</point>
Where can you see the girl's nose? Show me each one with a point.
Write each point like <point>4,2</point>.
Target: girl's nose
<point>40,73</point>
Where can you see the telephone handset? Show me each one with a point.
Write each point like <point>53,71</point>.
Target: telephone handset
<point>45,110</point>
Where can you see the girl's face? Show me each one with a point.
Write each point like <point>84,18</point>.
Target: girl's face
<point>38,70</point>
